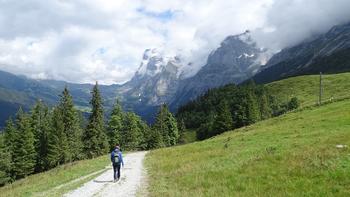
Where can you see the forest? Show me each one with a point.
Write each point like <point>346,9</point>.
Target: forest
<point>43,138</point>
<point>230,107</point>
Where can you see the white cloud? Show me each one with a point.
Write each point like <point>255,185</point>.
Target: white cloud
<point>84,41</point>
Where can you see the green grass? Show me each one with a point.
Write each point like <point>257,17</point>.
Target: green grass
<point>306,88</point>
<point>291,155</point>
<point>51,183</point>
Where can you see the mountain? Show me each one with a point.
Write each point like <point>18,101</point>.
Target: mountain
<point>327,53</point>
<point>159,79</point>
<point>238,58</point>
<point>19,91</point>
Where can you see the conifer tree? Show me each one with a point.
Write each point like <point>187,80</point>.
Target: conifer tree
<point>132,132</point>
<point>166,126</point>
<point>24,150</point>
<point>154,138</point>
<point>9,135</point>
<point>71,126</point>
<point>57,140</point>
<point>161,127</point>
<point>173,130</point>
<point>94,138</point>
<point>265,109</point>
<point>115,125</point>
<point>40,123</point>
<point>182,129</point>
<point>5,162</point>
<point>145,132</point>
<point>252,108</point>
<point>223,120</point>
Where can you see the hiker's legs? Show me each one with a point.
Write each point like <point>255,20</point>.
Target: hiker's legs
<point>118,171</point>
<point>115,172</point>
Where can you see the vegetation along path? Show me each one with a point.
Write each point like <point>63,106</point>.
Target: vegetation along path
<point>131,181</point>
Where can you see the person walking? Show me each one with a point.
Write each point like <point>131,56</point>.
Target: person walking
<point>117,161</point>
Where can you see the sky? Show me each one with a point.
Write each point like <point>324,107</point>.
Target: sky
<point>84,41</point>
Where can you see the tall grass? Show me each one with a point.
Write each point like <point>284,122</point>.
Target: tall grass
<point>53,182</point>
<point>291,155</point>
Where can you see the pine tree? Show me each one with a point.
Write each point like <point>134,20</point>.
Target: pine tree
<point>223,120</point>
<point>57,140</point>
<point>94,138</point>
<point>264,104</point>
<point>160,126</point>
<point>252,109</point>
<point>5,162</point>
<point>145,132</point>
<point>154,139</point>
<point>173,131</point>
<point>182,129</point>
<point>40,123</point>
<point>131,132</point>
<point>24,151</point>
<point>10,133</point>
<point>115,125</point>
<point>166,126</point>
<point>72,127</point>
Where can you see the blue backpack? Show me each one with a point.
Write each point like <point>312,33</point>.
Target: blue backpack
<point>116,159</point>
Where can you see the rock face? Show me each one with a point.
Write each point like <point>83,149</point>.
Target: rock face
<point>159,79</point>
<point>237,59</point>
<point>155,81</point>
<point>328,53</point>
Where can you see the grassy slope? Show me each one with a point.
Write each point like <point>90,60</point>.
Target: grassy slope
<point>291,155</point>
<point>44,184</point>
<point>306,88</point>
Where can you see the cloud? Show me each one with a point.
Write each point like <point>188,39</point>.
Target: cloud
<point>84,41</point>
<point>289,22</point>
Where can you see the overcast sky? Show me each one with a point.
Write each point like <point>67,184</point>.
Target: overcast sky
<point>87,40</point>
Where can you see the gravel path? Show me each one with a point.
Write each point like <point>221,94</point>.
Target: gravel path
<point>132,177</point>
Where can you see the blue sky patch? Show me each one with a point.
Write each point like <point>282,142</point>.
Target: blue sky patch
<point>163,16</point>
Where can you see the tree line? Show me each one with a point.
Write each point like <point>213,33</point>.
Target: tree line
<point>231,107</point>
<point>44,138</point>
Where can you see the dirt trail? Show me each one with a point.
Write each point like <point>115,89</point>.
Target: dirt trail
<point>132,177</point>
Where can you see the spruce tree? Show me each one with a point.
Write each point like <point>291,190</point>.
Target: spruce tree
<point>5,162</point>
<point>115,125</point>
<point>57,140</point>
<point>154,138</point>
<point>145,131</point>
<point>10,133</point>
<point>252,108</point>
<point>24,151</point>
<point>40,123</point>
<point>161,127</point>
<point>264,104</point>
<point>132,133</point>
<point>71,124</point>
<point>223,120</point>
<point>94,138</point>
<point>166,126</point>
<point>173,131</point>
<point>182,129</point>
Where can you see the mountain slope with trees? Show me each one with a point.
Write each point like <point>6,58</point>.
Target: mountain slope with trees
<point>45,137</point>
<point>250,103</point>
<point>297,154</point>
<point>327,53</point>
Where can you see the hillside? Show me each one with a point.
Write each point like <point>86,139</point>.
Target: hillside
<point>306,88</point>
<point>272,99</point>
<point>291,155</point>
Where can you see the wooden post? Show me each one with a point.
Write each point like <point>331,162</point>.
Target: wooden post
<point>321,91</point>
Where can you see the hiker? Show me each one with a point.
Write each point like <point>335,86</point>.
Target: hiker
<point>117,161</point>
